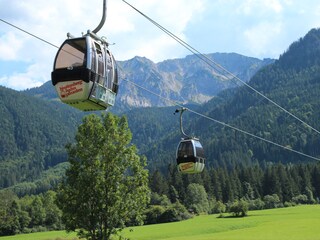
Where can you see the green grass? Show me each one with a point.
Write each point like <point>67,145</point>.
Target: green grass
<point>295,223</point>
<point>52,235</point>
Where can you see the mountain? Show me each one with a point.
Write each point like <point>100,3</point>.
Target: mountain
<point>185,80</point>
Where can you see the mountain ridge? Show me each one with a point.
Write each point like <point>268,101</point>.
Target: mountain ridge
<point>184,80</point>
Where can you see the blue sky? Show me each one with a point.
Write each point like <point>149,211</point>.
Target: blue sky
<point>256,28</point>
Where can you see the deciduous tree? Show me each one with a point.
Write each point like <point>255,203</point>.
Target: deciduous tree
<point>106,185</point>
<point>239,208</point>
<point>197,198</point>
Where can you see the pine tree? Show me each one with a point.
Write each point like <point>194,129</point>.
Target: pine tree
<point>158,183</point>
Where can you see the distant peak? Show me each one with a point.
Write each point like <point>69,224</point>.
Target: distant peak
<point>303,53</point>
<point>141,59</point>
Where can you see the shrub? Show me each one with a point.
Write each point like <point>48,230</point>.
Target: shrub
<point>176,212</point>
<point>272,201</point>
<point>153,214</point>
<point>218,207</point>
<point>157,199</point>
<point>300,199</point>
<point>289,204</point>
<point>256,204</point>
<point>239,208</point>
<point>160,214</point>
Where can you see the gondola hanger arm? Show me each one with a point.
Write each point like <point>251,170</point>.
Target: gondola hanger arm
<point>181,111</point>
<point>103,19</point>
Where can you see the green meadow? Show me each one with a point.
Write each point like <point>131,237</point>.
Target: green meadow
<point>295,223</point>
<point>52,235</point>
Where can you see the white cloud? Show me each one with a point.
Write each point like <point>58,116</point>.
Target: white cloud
<point>274,5</point>
<point>176,14</point>
<point>151,50</point>
<point>260,38</point>
<point>33,77</point>
<point>10,47</point>
<point>254,7</point>
<point>145,39</point>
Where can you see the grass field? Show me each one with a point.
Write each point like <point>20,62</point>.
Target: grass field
<point>52,235</point>
<point>295,223</point>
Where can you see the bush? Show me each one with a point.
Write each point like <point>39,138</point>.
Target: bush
<point>217,207</point>
<point>239,208</point>
<point>289,204</point>
<point>153,214</point>
<point>256,204</point>
<point>160,214</point>
<point>272,201</point>
<point>176,212</point>
<point>157,199</point>
<point>169,215</point>
<point>300,199</point>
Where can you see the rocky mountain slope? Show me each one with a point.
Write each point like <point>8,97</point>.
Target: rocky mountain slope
<point>185,80</point>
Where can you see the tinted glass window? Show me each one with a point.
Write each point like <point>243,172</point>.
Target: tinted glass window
<point>100,59</point>
<point>185,149</point>
<point>72,54</point>
<point>199,149</point>
<point>109,70</point>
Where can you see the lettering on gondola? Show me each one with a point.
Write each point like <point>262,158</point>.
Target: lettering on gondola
<point>70,89</point>
<point>186,166</point>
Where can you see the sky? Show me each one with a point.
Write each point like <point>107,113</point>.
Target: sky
<point>255,28</point>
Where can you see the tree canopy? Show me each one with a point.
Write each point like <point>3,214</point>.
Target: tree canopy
<point>106,185</point>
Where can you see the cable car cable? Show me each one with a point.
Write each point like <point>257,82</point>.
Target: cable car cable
<point>35,36</point>
<point>209,61</point>
<point>180,105</point>
<point>223,123</point>
<point>179,40</point>
<point>22,30</point>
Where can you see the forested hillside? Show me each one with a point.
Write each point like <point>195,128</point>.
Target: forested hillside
<point>297,89</point>
<point>33,134</point>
